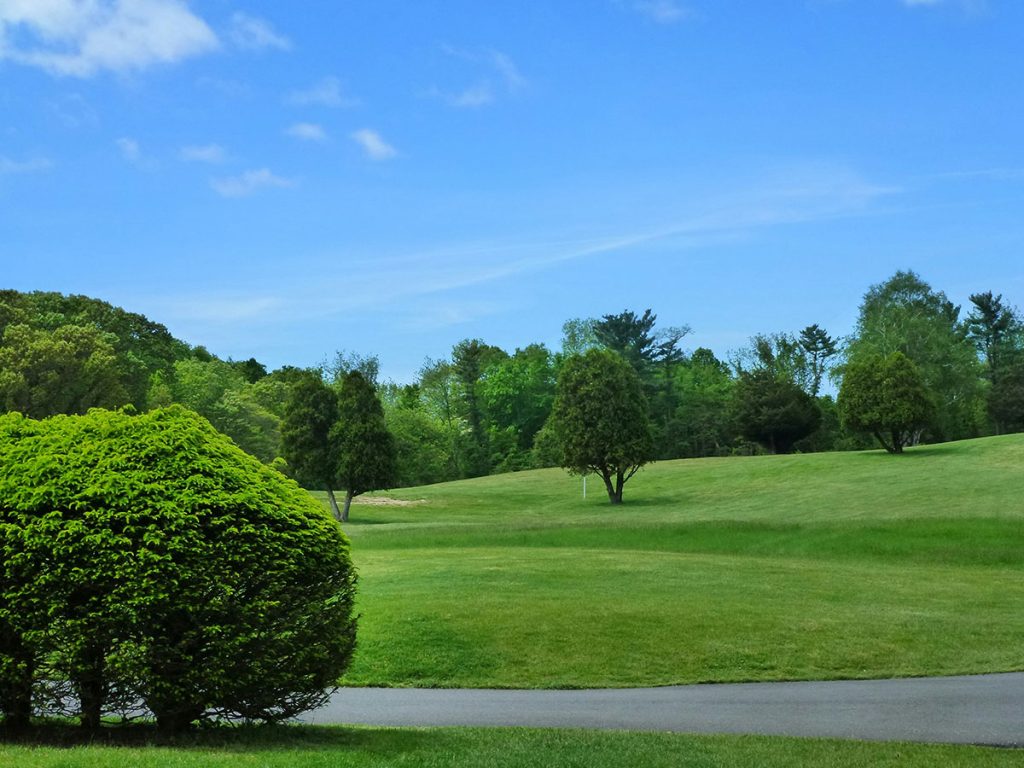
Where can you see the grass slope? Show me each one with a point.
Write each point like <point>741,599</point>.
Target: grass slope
<point>819,566</point>
<point>453,748</point>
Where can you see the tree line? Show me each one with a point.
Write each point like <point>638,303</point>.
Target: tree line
<point>484,410</point>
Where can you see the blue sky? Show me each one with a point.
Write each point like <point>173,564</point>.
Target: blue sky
<point>282,180</point>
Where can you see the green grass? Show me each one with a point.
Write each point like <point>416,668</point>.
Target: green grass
<point>821,566</point>
<point>511,748</point>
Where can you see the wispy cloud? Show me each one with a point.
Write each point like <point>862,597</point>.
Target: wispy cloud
<point>428,285</point>
<point>73,111</point>
<point>10,167</point>
<point>249,183</point>
<point>213,154</point>
<point>80,39</point>
<point>1006,173</point>
<point>497,72</point>
<point>132,153</point>
<point>660,11</point>
<point>251,33</point>
<point>324,93</point>
<point>373,144</point>
<point>307,132</point>
<point>218,308</point>
<point>130,150</point>
<point>968,6</point>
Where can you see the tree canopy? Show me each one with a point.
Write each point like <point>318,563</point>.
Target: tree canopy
<point>886,397</point>
<point>601,420</point>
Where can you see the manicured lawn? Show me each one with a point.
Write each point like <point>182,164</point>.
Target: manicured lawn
<point>801,567</point>
<point>474,748</point>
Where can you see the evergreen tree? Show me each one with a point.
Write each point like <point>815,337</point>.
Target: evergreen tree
<point>364,452</point>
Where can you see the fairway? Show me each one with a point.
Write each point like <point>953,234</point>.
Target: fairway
<point>822,566</point>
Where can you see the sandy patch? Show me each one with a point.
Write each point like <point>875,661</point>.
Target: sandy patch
<point>384,501</point>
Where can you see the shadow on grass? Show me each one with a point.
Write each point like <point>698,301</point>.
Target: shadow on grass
<point>228,738</point>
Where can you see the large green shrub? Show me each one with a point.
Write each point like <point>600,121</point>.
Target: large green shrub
<point>886,397</point>
<point>146,558</point>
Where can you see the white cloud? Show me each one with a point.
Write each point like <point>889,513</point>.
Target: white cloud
<point>373,144</point>
<point>73,111</point>
<point>325,93</point>
<point>204,153</point>
<point>507,68</point>
<point>307,132</point>
<point>35,165</point>
<point>478,95</point>
<point>130,150</point>
<point>80,38</point>
<point>662,11</point>
<point>494,66</point>
<point>968,6</point>
<point>254,34</point>
<point>248,183</point>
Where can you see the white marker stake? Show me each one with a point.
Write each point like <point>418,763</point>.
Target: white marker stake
<point>584,486</point>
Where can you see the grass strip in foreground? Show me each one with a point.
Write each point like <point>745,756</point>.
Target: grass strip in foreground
<point>316,747</point>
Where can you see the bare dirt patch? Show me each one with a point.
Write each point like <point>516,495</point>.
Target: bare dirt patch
<point>384,501</point>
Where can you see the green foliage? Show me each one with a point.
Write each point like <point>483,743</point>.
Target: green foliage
<point>1006,398</point>
<point>147,558</point>
<point>66,370</point>
<point>601,419</point>
<point>772,410</point>
<point>470,358</point>
<point>220,391</point>
<point>886,397</point>
<point>904,314</point>
<point>819,348</point>
<point>363,451</point>
<point>421,447</point>
<point>311,412</point>
<point>141,347</point>
<point>702,423</point>
<point>518,392</point>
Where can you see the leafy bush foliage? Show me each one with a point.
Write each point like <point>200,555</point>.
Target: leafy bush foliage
<point>147,559</point>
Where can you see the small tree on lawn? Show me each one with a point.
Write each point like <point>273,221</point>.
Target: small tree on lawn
<point>600,417</point>
<point>887,397</point>
<point>364,450</point>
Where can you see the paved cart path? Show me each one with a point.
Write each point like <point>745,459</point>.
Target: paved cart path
<point>976,709</point>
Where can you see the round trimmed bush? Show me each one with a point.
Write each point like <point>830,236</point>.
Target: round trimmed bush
<point>148,559</point>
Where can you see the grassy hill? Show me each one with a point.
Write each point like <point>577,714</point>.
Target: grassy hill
<point>818,566</point>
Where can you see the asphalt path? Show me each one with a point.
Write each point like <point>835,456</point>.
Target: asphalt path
<point>976,709</point>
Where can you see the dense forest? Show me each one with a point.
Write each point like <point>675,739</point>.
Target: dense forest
<point>484,410</point>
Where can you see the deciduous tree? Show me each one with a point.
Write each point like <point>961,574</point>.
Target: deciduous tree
<point>886,397</point>
<point>600,417</point>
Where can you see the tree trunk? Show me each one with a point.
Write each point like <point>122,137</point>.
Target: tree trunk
<point>884,444</point>
<point>91,701</point>
<point>177,719</point>
<point>620,480</point>
<point>606,475</point>
<point>17,705</point>
<point>348,503</point>
<point>334,504</point>
<point>16,690</point>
